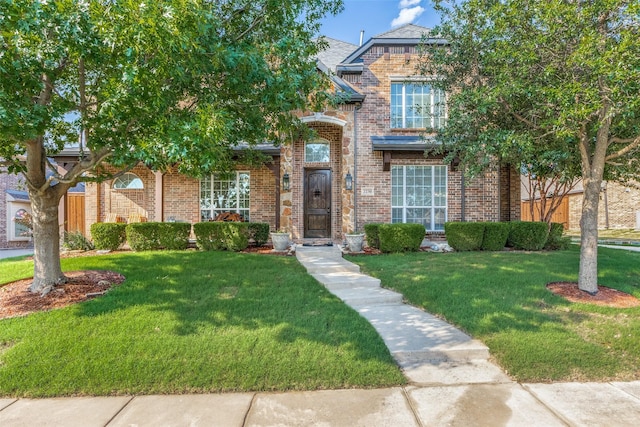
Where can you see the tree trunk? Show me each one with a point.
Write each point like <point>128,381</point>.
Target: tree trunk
<point>588,277</point>
<point>47,271</point>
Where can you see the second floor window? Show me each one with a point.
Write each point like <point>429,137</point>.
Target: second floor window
<point>417,106</point>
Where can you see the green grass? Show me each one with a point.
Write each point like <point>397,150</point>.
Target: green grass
<point>611,234</point>
<point>501,299</point>
<point>191,322</point>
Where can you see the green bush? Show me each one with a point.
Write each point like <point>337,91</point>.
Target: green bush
<point>258,232</point>
<point>465,236</point>
<point>401,237</point>
<point>75,241</point>
<point>372,233</point>
<point>216,236</point>
<point>149,236</point>
<point>527,235</point>
<point>555,241</point>
<point>495,236</point>
<point>108,235</point>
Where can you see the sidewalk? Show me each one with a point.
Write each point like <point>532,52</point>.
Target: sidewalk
<point>451,382</point>
<point>10,253</point>
<point>567,404</point>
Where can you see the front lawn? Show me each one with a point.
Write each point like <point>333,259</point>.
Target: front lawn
<point>501,299</point>
<point>192,322</point>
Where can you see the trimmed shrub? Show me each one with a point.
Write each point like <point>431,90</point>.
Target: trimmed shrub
<point>150,236</point>
<point>75,241</point>
<point>372,233</point>
<point>174,235</point>
<point>258,232</point>
<point>464,236</point>
<point>216,236</point>
<point>495,236</point>
<point>400,237</point>
<point>528,235</point>
<point>555,241</point>
<point>108,235</point>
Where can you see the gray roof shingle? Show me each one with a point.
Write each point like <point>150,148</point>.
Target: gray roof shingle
<point>406,31</point>
<point>335,53</point>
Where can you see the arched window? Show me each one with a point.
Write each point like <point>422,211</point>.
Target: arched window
<point>317,151</point>
<point>22,220</point>
<point>128,181</point>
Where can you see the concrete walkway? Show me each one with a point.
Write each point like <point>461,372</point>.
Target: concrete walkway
<point>10,253</point>
<point>452,382</point>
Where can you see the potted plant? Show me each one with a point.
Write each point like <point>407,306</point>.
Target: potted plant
<point>355,241</point>
<point>280,240</point>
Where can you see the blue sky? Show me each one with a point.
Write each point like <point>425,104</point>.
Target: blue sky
<point>377,16</point>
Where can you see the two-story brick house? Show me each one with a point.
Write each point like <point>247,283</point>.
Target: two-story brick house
<point>366,163</point>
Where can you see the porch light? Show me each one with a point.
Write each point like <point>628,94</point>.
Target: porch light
<point>285,182</point>
<point>348,181</point>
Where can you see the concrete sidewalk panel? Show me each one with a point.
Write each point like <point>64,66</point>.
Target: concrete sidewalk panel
<point>480,405</point>
<point>64,411</point>
<point>454,372</point>
<point>6,402</point>
<point>371,408</point>
<point>346,279</point>
<point>357,297</point>
<point>186,410</point>
<point>633,387</point>
<point>589,404</point>
<point>406,329</point>
<point>331,266</point>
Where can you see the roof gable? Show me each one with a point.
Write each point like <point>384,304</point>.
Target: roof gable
<point>406,31</point>
<point>405,35</point>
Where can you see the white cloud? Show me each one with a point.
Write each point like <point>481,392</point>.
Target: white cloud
<point>408,3</point>
<point>407,16</point>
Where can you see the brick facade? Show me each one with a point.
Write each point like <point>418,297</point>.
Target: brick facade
<point>348,129</point>
<point>619,208</point>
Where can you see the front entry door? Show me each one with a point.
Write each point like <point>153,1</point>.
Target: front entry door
<point>317,203</point>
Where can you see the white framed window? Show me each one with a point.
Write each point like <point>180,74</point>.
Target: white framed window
<point>318,151</point>
<point>417,105</point>
<point>128,181</point>
<point>419,195</point>
<point>225,193</point>
<point>17,210</point>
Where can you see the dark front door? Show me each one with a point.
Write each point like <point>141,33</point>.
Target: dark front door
<point>317,203</point>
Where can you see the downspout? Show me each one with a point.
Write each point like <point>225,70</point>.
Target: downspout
<point>355,166</point>
<point>462,196</point>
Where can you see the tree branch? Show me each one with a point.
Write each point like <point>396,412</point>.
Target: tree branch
<point>634,143</point>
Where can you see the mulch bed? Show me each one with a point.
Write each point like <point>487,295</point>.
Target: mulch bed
<point>605,297</point>
<point>16,300</point>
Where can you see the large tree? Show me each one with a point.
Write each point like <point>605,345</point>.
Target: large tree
<point>160,82</point>
<point>541,77</point>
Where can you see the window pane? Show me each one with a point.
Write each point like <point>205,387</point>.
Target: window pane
<point>440,218</point>
<point>419,195</point>
<point>128,181</point>
<point>220,194</point>
<point>416,106</point>
<point>316,152</point>
<point>397,186</point>
<point>396,215</point>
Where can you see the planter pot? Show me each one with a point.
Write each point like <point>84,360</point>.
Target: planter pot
<point>280,241</point>
<point>355,242</point>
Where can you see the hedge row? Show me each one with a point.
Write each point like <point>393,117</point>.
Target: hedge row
<point>145,236</point>
<point>151,236</point>
<point>394,237</point>
<point>494,236</point>
<point>232,236</point>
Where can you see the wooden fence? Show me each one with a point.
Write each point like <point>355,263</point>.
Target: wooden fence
<point>561,214</point>
<point>74,212</point>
